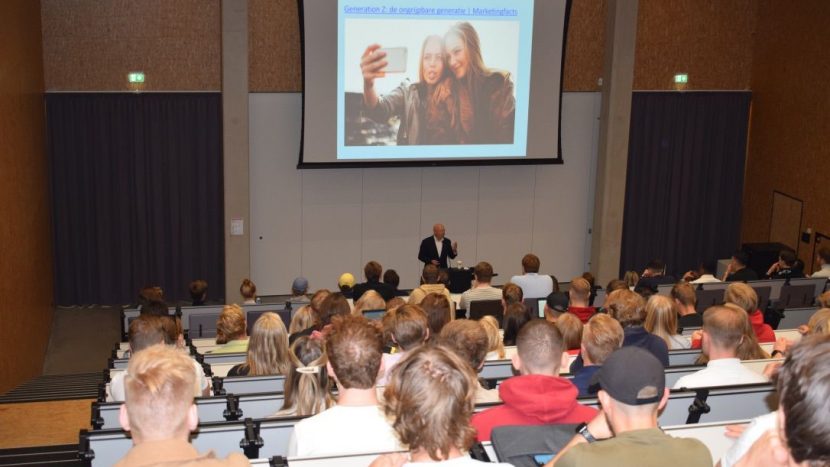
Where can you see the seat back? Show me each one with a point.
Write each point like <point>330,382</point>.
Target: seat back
<point>249,384</point>
<point>796,296</point>
<point>481,308</point>
<point>795,317</point>
<point>708,298</point>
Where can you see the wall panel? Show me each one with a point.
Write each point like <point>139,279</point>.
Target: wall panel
<point>25,243</point>
<point>790,131</point>
<point>351,216</point>
<point>91,45</point>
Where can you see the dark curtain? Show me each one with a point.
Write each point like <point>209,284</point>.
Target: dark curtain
<point>137,198</point>
<point>685,178</point>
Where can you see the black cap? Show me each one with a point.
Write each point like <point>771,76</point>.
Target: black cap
<point>633,376</point>
<point>558,301</point>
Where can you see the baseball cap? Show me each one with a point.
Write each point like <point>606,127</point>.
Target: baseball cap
<point>346,279</point>
<point>300,284</point>
<point>633,376</point>
<point>558,301</point>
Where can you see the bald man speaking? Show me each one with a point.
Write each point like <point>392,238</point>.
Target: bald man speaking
<point>436,248</point>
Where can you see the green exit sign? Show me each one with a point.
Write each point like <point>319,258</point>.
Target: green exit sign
<point>681,78</point>
<point>135,77</point>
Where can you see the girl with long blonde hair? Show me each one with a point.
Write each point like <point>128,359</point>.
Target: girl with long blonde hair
<point>268,352</point>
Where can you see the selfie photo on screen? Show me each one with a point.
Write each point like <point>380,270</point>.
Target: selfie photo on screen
<point>426,82</point>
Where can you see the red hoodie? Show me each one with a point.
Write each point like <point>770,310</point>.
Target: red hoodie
<point>583,313</point>
<point>533,400</point>
<point>763,331</point>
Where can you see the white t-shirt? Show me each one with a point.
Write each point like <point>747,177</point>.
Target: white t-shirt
<point>343,430</point>
<point>389,363</point>
<point>823,272</point>
<point>115,392</point>
<point>534,285</point>
<point>705,279</point>
<point>462,461</point>
<point>753,432</point>
<point>721,372</point>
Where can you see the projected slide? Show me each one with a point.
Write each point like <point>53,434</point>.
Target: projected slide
<point>432,82</point>
<point>441,76</point>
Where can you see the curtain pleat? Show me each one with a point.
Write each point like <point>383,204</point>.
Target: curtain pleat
<point>137,197</point>
<point>684,184</point>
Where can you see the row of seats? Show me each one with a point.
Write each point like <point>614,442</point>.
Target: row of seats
<point>269,437</point>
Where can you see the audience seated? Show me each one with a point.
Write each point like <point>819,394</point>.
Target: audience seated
<point>539,395</point>
<point>571,328</point>
<point>495,346</point>
<point>722,333</point>
<point>555,305</point>
<point>625,432</point>
<point>748,349</point>
<point>393,280</point>
<point>267,349</point>
<point>369,300</point>
<point>431,399</point>
<point>630,278</point>
<point>397,302</point>
<point>653,276</point>
<point>516,315</point>
<point>798,432</point>
<point>661,320</point>
<point>159,412</point>
<point>745,297</point>
<point>150,293</point>
<point>510,294</point>
<point>437,308</point>
<point>198,292</point>
<point>704,274</point>
<point>819,323</point>
<point>737,270</point>
<point>468,339</point>
<point>356,424</point>
<point>345,283</point>
<point>373,271</point>
<point>629,309</point>
<point>408,329</point>
<point>785,267</point>
<point>686,300</point>
<point>303,319</point>
<point>315,306</point>
<point>601,336</point>
<point>299,291</point>
<point>617,284</point>
<point>248,292</point>
<point>231,330</point>
<point>579,296</point>
<point>155,308</point>
<point>533,285</point>
<point>307,385</point>
<point>823,259</point>
<point>147,331</point>
<point>430,284</point>
<point>481,289</point>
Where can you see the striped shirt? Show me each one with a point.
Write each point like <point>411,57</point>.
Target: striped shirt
<point>478,293</point>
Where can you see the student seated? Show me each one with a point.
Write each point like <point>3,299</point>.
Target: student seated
<point>393,280</point>
<point>231,331</point>
<point>516,315</point>
<point>408,329</point>
<point>625,433</point>
<point>430,399</point>
<point>571,328</point>
<point>198,292</point>
<point>797,433</point>
<point>540,353</point>
<point>685,298</point>
<point>307,385</point>
<point>533,285</point>
<point>373,271</point>
<point>356,424</point>
<point>159,412</point>
<point>661,321</point>
<point>601,336</point>
<point>147,331</point>
<point>745,297</point>
<point>481,289</point>
<point>346,283</point>
<point>430,284</point>
<point>469,340</point>
<point>267,349</point>
<point>722,334</point>
<point>248,292</point>
<point>785,267</point>
<point>437,307</point>
<point>299,291</point>
<point>369,300</point>
<point>495,346</point>
<point>580,294</point>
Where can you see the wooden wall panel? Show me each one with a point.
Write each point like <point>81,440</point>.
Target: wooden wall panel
<point>25,243</point>
<point>586,45</point>
<point>91,45</point>
<point>711,40</point>
<point>789,148</point>
<point>274,46</point>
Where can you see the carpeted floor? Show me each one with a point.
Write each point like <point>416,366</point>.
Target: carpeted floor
<point>81,339</point>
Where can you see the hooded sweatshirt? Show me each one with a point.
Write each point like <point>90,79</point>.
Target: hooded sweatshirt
<point>583,313</point>
<point>763,331</point>
<point>533,400</point>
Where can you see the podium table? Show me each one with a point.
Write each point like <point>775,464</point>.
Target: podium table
<point>460,279</point>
